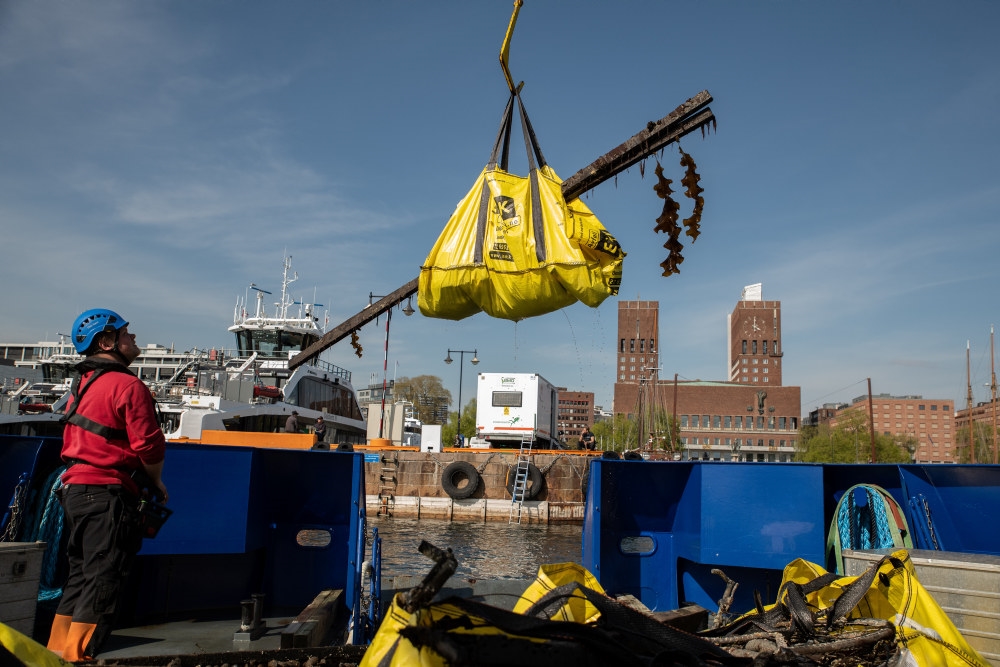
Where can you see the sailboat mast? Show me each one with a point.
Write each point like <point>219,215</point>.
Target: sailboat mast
<point>968,405</point>
<point>993,396</point>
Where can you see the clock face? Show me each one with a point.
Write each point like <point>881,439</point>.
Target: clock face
<point>753,326</point>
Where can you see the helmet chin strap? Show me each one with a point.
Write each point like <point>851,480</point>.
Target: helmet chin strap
<point>115,351</point>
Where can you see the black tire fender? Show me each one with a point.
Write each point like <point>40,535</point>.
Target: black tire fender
<point>454,474</point>
<point>535,481</point>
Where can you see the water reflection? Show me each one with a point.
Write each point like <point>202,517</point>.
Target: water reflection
<point>483,550</point>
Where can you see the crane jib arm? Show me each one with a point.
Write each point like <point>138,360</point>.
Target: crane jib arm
<point>692,115</point>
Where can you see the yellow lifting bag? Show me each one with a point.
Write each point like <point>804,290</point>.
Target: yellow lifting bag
<point>514,248</point>
<point>922,627</point>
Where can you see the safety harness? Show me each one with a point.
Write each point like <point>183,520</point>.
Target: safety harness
<point>100,367</point>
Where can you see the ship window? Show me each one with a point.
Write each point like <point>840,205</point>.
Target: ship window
<point>313,538</point>
<point>507,399</point>
<point>639,545</point>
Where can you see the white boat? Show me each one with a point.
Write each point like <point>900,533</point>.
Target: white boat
<point>252,389</point>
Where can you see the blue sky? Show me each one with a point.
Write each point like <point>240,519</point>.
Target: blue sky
<point>157,157</point>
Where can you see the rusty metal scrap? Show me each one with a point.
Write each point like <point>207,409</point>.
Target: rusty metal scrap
<point>693,191</point>
<point>792,632</point>
<point>667,223</point>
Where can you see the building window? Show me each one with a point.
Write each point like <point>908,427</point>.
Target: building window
<point>684,421</point>
<point>729,421</point>
<point>770,423</point>
<point>704,421</point>
<point>765,379</point>
<point>782,422</point>
<point>744,348</point>
<point>764,343</point>
<point>760,425</point>
<point>642,346</point>
<point>631,345</point>
<point>933,407</point>
<point>716,421</point>
<point>652,349</point>
<point>622,346</point>
<point>922,407</point>
<point>755,347</point>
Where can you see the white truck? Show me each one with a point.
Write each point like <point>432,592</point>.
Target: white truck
<point>509,405</point>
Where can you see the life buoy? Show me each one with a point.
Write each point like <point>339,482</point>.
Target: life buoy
<point>535,481</point>
<point>453,477</point>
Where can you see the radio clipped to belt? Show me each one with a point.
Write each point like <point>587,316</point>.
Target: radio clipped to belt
<point>152,513</point>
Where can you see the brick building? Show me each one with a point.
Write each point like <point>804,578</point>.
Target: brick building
<point>750,417</point>
<point>930,421</point>
<point>755,349</point>
<point>574,413</point>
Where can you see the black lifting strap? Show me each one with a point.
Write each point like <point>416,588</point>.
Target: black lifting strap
<point>100,367</point>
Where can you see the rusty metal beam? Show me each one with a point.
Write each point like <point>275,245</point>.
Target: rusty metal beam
<point>342,330</point>
<point>686,118</point>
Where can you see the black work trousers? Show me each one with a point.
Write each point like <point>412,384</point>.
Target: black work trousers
<point>103,531</point>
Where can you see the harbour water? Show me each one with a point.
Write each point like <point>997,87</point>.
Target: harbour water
<point>483,550</point>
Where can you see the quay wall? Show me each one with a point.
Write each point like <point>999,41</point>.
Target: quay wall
<point>408,484</point>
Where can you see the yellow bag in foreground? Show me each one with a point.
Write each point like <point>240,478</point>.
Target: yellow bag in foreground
<point>897,596</point>
<point>550,577</point>
<point>27,650</point>
<point>390,648</point>
<point>514,248</point>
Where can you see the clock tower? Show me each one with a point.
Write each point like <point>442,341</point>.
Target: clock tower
<point>755,350</point>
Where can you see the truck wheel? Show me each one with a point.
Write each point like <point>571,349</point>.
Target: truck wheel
<point>535,481</point>
<point>460,480</point>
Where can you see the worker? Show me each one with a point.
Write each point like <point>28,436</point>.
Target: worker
<point>292,423</point>
<point>111,438</point>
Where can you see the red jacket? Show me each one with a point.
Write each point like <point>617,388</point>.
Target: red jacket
<point>120,401</point>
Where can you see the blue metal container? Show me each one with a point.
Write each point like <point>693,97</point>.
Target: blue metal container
<point>286,523</point>
<point>656,530</point>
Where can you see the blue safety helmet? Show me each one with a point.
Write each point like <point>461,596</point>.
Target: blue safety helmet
<point>93,322</point>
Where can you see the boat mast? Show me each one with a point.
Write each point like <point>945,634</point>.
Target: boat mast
<point>993,396</point>
<point>968,405</point>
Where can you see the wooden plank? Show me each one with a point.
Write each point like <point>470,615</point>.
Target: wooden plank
<point>686,118</point>
<point>313,624</point>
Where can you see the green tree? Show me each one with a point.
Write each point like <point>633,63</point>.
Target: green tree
<point>428,396</point>
<point>618,433</point>
<point>449,430</point>
<point>849,442</point>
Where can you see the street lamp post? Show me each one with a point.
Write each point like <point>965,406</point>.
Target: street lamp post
<point>461,364</point>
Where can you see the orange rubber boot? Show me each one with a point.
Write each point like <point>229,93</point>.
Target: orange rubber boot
<point>57,635</point>
<point>76,641</point>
